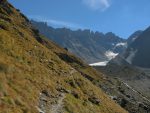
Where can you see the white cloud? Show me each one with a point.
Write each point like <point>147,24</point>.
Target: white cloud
<point>56,23</point>
<point>101,5</point>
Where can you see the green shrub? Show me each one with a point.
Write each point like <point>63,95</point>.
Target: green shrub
<point>3,68</point>
<point>8,100</point>
<point>4,25</point>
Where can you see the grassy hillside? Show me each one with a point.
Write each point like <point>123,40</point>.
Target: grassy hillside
<point>38,76</point>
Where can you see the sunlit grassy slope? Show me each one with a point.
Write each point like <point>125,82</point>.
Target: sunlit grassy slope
<point>30,64</point>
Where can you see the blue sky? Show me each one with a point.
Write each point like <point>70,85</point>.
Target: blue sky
<point>122,17</point>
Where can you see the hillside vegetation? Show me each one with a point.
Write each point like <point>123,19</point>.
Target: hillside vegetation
<point>37,75</point>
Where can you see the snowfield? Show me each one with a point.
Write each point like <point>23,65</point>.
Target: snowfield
<point>110,55</point>
<point>99,63</point>
<point>121,44</point>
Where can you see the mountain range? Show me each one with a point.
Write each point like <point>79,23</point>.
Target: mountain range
<point>88,45</point>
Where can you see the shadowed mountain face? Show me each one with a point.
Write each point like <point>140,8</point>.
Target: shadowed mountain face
<point>90,46</point>
<point>134,36</point>
<point>138,52</point>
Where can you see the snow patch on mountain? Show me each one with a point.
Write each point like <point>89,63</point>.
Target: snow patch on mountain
<point>121,44</point>
<point>110,55</point>
<point>104,63</point>
<point>133,39</point>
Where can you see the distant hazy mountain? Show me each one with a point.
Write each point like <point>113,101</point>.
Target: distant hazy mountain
<point>90,46</point>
